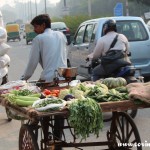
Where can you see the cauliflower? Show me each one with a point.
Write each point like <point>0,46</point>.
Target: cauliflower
<point>63,93</point>
<point>78,94</point>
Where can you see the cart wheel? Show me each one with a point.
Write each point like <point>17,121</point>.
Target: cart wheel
<point>132,113</point>
<point>123,133</point>
<point>7,113</point>
<point>27,138</point>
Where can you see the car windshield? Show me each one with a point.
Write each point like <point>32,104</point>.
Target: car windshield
<point>132,29</point>
<point>58,25</point>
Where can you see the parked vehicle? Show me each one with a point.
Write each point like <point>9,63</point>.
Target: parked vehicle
<point>13,32</point>
<point>89,31</point>
<point>29,33</point>
<point>61,26</point>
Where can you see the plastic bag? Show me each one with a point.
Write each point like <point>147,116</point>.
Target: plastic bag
<point>4,60</point>
<point>4,49</point>
<point>48,106</point>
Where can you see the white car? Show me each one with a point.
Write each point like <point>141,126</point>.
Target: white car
<point>61,26</point>
<point>89,31</point>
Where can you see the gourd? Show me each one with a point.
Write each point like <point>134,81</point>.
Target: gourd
<point>114,82</point>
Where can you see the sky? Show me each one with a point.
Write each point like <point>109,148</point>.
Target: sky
<point>11,2</point>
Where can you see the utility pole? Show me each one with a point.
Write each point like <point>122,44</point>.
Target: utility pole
<point>65,5</point>
<point>89,8</point>
<point>28,11</point>
<point>31,9</point>
<point>127,8</point>
<point>45,7</point>
<point>35,7</point>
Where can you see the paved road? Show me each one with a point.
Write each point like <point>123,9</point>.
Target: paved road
<point>9,131</point>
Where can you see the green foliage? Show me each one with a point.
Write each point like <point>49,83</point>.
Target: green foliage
<point>146,2</point>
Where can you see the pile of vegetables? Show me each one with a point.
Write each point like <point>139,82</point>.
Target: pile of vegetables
<point>86,117</point>
<point>109,89</point>
<point>22,98</point>
<point>100,95</point>
<point>85,114</point>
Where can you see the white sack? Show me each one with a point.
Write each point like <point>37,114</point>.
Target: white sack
<point>4,49</point>
<point>1,20</point>
<point>3,35</point>
<point>4,61</point>
<point>3,72</point>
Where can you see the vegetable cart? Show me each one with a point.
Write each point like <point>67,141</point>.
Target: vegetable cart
<point>36,134</point>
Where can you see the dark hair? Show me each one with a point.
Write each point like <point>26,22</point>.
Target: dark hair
<point>40,19</point>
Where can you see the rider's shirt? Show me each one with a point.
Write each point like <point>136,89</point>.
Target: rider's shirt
<point>103,44</point>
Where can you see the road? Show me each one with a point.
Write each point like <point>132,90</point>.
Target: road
<point>9,131</point>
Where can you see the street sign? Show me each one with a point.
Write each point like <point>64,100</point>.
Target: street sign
<point>118,9</point>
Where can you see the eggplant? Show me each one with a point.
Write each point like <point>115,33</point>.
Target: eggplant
<point>69,97</point>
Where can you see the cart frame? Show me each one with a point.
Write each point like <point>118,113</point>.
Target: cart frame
<point>121,122</point>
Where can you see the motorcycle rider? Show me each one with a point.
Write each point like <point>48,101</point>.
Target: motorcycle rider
<point>103,45</point>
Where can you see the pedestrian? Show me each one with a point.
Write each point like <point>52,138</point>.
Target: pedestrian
<point>48,49</point>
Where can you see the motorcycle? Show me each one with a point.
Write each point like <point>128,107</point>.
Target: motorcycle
<point>129,73</point>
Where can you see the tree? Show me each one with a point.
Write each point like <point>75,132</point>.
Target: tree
<point>146,2</point>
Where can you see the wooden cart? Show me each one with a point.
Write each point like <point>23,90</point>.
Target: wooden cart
<point>36,134</point>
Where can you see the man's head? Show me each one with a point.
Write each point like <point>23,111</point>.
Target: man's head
<point>109,25</point>
<point>41,22</point>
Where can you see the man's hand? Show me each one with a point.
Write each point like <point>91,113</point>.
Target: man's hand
<point>22,78</point>
<point>87,59</point>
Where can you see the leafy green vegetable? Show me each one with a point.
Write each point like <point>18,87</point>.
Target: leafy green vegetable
<point>23,92</point>
<point>85,117</point>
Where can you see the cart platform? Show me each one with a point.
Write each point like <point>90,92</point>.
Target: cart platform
<point>30,113</point>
